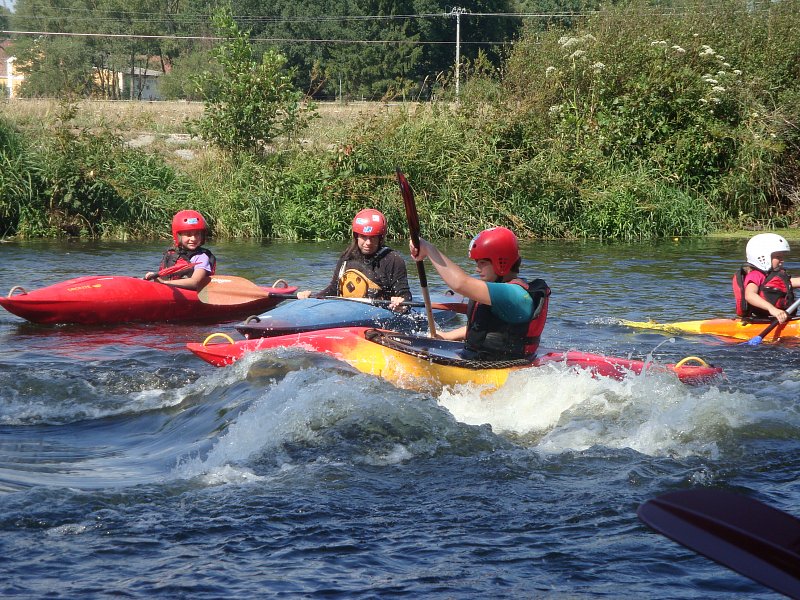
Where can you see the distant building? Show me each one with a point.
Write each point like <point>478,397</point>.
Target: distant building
<point>141,84</point>
<point>9,79</point>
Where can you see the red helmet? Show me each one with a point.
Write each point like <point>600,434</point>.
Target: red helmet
<point>498,245</point>
<point>369,222</point>
<point>187,220</point>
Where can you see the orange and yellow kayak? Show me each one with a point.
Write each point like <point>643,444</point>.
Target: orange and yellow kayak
<point>726,329</point>
<point>421,363</point>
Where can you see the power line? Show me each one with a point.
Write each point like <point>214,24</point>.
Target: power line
<point>256,39</point>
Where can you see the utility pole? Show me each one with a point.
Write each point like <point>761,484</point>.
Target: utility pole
<point>457,12</point>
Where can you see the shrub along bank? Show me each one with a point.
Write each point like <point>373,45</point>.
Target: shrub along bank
<point>633,123</point>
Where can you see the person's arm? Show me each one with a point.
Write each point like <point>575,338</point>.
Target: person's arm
<point>455,335</point>
<point>454,276</point>
<point>200,277</point>
<point>795,282</point>
<point>753,299</point>
<point>399,289</point>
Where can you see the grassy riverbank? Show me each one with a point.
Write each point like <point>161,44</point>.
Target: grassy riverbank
<point>631,124</point>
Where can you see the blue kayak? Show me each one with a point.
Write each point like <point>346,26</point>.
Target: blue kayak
<point>300,316</point>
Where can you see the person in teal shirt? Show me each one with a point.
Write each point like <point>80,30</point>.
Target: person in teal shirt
<point>505,314</point>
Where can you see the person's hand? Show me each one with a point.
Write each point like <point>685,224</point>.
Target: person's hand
<point>779,314</point>
<point>396,304</point>
<point>304,294</point>
<point>150,276</point>
<point>420,253</point>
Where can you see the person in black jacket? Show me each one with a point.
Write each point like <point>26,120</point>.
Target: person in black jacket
<point>367,268</point>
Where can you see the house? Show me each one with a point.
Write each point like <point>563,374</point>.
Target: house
<point>140,84</point>
<point>9,78</point>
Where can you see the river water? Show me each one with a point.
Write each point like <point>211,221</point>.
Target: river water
<point>130,468</point>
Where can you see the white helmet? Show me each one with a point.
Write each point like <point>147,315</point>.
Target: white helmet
<point>761,247</point>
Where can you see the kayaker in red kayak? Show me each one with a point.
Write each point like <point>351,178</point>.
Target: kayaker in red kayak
<point>367,268</point>
<point>189,234</point>
<point>506,314</point>
<point>763,288</point>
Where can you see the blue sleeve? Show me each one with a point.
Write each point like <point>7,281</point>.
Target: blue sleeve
<point>510,302</point>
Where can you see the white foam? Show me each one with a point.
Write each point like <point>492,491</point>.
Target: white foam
<point>558,409</point>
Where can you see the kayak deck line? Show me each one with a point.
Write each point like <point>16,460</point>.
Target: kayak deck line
<point>420,363</point>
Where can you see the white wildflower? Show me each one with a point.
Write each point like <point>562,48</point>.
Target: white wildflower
<point>679,50</point>
<point>598,66</point>
<point>658,43</point>
<point>718,88</point>
<point>716,100</point>
<point>726,65</point>
<point>707,51</point>
<point>720,73</point>
<point>568,42</point>
<point>577,54</point>
<point>754,115</point>
<point>548,71</point>
<point>703,101</point>
<point>711,80</point>
<point>554,110</point>
<point>737,72</point>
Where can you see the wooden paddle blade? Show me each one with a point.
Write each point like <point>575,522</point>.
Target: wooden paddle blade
<point>227,290</point>
<point>756,540</point>
<point>413,225</point>
<point>410,205</point>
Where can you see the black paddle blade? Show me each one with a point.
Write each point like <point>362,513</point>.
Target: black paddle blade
<point>756,540</point>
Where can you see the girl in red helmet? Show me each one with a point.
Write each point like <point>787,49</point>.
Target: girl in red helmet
<point>506,314</point>
<point>367,268</point>
<point>189,234</point>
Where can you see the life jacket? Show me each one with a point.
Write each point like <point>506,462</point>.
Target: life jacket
<point>174,256</point>
<point>776,289</point>
<point>491,338</point>
<point>357,277</point>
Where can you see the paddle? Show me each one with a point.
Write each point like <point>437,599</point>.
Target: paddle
<point>228,290</point>
<point>756,540</point>
<point>458,307</point>
<point>413,225</point>
<point>760,337</point>
<point>170,271</point>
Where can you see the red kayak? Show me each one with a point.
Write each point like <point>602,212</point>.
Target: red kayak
<point>107,300</point>
<point>416,362</point>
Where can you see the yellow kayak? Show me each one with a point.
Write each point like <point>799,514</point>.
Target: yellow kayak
<point>726,329</point>
<point>421,363</point>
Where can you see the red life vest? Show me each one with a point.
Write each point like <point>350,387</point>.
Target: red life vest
<point>491,338</point>
<point>776,289</point>
<point>174,256</point>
